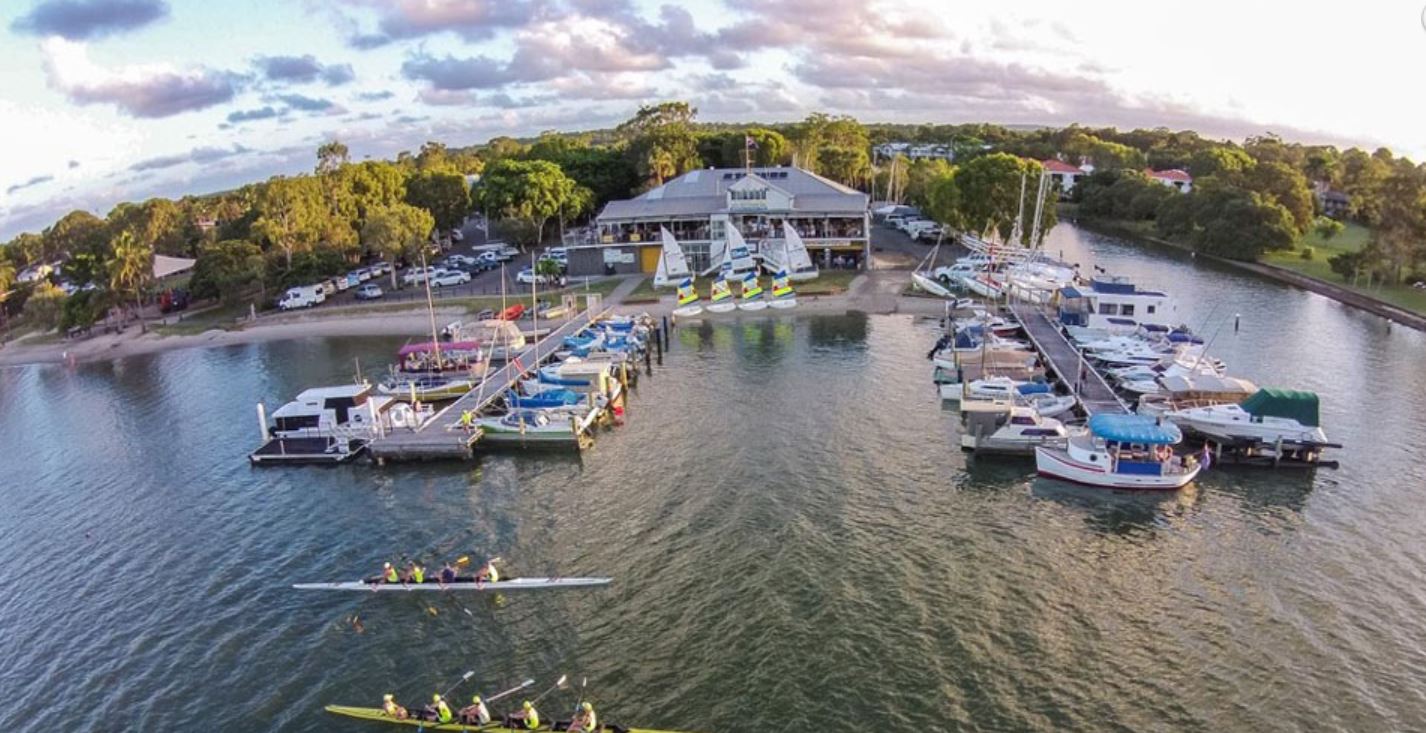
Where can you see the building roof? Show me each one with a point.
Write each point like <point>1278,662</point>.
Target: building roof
<point>163,266</point>
<point>704,192</point>
<point>1059,166</point>
<point>1172,174</point>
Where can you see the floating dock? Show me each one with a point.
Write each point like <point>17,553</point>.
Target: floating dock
<point>443,437</point>
<point>1061,357</point>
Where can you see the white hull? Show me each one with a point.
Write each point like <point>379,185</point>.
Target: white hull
<point>431,584</point>
<point>726,307</point>
<point>752,305</point>
<point>1238,431</point>
<point>1056,463</point>
<point>784,303</point>
<point>931,286</point>
<point>687,311</point>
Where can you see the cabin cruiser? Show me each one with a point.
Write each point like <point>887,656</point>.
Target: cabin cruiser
<point>500,339</point>
<point>322,412</point>
<point>1003,427</point>
<point>1268,416</point>
<point>1115,304</point>
<point>1184,392</point>
<point>1120,452</point>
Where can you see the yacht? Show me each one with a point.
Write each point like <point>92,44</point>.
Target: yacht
<point>1115,304</point>
<point>1002,427</point>
<point>1268,416</point>
<point>322,412</point>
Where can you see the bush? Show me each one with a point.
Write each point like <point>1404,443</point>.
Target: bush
<point>1307,253</point>
<point>1327,228</point>
<point>81,309</point>
<point>44,306</point>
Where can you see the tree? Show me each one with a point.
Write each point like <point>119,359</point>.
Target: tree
<point>434,157</point>
<point>158,222</point>
<point>1284,185</point>
<point>920,176</point>
<point>398,232</point>
<point>769,148</point>
<point>227,269</point>
<point>443,194</point>
<point>943,201</point>
<point>1327,227</point>
<point>130,269</point>
<point>603,170</point>
<point>1224,162</point>
<point>291,215</point>
<point>660,141</point>
<point>500,148</point>
<point>528,190</point>
<point>45,305</point>
<point>1240,224</point>
<point>1362,176</point>
<point>373,184</point>
<point>75,232</point>
<point>7,281</point>
<point>834,147</point>
<point>989,189</point>
<point>1401,219</point>
<point>331,156</point>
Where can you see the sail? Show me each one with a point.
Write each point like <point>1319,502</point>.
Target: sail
<point>737,257</point>
<point>721,291</point>
<point>686,293</point>
<point>751,287</point>
<point>672,264</point>
<point>781,285</point>
<point>796,250</point>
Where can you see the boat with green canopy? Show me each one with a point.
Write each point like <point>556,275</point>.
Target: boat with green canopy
<point>1268,416</point>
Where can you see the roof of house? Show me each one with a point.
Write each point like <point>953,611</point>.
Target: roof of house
<point>704,191</point>
<point>1172,174</point>
<point>1059,166</point>
<point>163,265</point>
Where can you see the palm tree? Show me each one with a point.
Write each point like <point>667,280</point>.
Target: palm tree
<point>7,280</point>
<point>130,269</point>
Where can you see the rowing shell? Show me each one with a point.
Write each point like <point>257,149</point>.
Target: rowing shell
<point>464,585</point>
<point>380,715</point>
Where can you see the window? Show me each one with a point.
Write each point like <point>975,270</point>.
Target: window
<point>1022,420</point>
<point>1108,309</point>
<point>1127,310</point>
<point>1151,310</point>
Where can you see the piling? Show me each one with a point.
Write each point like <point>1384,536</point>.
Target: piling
<point>262,422</point>
<point>659,344</point>
<point>1237,320</point>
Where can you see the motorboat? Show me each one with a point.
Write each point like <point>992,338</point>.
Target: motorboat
<point>439,356</point>
<point>530,427</point>
<point>1048,404</point>
<point>1268,416</point>
<point>1120,452</point>
<point>500,339</point>
<point>1003,388</point>
<point>1189,391</point>
<point>322,412</point>
<point>432,387</point>
<point>1003,427</point>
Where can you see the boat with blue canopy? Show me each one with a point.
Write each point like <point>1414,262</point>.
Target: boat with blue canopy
<point>1121,452</point>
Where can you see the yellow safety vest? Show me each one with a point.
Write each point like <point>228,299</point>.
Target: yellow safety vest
<point>391,576</point>
<point>591,723</point>
<point>391,708</point>
<point>532,721</point>
<point>494,574</point>
<point>419,574</point>
<point>443,711</point>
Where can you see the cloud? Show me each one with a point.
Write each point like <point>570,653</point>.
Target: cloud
<point>37,180</point>
<point>410,120</point>
<point>473,20</point>
<point>451,73</point>
<point>79,20</point>
<point>248,115</point>
<point>73,164</point>
<point>304,103</point>
<point>156,90</point>
<point>376,96</point>
<point>200,155</point>
<point>302,69</point>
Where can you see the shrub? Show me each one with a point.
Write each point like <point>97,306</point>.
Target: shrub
<point>1307,253</point>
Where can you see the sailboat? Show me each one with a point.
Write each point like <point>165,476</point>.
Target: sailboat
<point>782,294</point>
<point>736,258</point>
<point>687,299</point>
<point>752,294</point>
<point>673,266</point>
<point>792,258</point>
<point>923,279</point>
<point>721,299</point>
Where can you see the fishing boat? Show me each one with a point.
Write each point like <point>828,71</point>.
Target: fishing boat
<point>751,299</point>
<point>462,583</point>
<point>687,299</point>
<point>673,266</point>
<point>1120,452</point>
<point>378,715</point>
<point>721,298</point>
<point>782,293</point>
<point>1003,427</point>
<point>1269,416</point>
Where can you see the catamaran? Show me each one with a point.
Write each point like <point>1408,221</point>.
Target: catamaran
<point>687,299</point>
<point>673,266</point>
<point>736,259</point>
<point>751,299</point>
<point>782,294</point>
<point>721,298</point>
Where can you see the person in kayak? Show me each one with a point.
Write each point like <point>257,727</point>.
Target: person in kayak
<point>448,574</point>
<point>438,710</point>
<point>528,717</point>
<point>475,713</point>
<point>415,573</point>
<point>585,721</point>
<point>487,573</point>
<point>388,574</point>
<point>389,706</point>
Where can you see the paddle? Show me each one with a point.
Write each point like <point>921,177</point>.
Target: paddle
<point>509,692</point>
<point>558,685</point>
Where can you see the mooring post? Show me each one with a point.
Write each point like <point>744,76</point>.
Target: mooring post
<point>659,337</point>
<point>1237,320</point>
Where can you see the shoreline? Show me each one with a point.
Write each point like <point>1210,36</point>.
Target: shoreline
<point>1345,296</point>
<point>876,292</point>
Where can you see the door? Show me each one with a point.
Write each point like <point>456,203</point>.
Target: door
<point>649,259</point>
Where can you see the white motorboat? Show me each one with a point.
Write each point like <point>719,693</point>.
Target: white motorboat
<point>428,387</point>
<point>324,412</point>
<point>531,427</point>
<point>1003,388</point>
<point>1048,404</point>
<point>1268,416</point>
<point>1120,452</point>
<point>1184,392</point>
<point>499,339</point>
<point>1001,427</point>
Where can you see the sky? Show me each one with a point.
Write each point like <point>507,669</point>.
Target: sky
<point>103,101</point>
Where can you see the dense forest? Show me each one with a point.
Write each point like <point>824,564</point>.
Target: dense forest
<point>253,241</point>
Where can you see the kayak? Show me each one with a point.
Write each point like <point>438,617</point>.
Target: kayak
<point>463,583</point>
<point>379,715</point>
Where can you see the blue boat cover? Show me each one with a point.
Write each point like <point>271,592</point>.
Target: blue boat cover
<point>1070,292</point>
<point>1134,429</point>
<point>1033,388</point>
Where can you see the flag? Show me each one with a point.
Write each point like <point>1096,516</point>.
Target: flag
<point>749,142</point>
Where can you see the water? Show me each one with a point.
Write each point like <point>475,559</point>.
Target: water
<point>796,546</point>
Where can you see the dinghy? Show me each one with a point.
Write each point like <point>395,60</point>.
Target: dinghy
<point>752,294</point>
<point>721,299</point>
<point>687,299</point>
<point>782,294</point>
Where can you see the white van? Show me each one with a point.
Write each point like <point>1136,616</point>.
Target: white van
<point>304,296</point>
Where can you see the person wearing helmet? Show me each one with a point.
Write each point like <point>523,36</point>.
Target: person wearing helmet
<point>438,710</point>
<point>448,574</point>
<point>389,706</point>
<point>528,717</point>
<point>475,713</point>
<point>585,721</point>
<point>389,574</point>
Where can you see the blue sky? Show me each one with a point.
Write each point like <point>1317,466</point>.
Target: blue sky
<point>108,100</point>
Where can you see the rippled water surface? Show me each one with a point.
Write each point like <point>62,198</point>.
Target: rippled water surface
<point>796,546</point>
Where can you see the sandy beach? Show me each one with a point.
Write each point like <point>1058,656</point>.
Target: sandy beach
<point>874,292</point>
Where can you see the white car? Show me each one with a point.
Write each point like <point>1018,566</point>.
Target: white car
<point>528,276</point>
<point>442,278</point>
<point>418,275</point>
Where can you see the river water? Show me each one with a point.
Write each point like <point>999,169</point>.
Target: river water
<point>796,544</point>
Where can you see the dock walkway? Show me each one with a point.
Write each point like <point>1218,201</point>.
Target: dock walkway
<point>1095,394</point>
<point>442,436</point>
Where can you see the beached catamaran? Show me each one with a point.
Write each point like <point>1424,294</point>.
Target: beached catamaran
<point>687,299</point>
<point>721,298</point>
<point>782,293</point>
<point>752,294</point>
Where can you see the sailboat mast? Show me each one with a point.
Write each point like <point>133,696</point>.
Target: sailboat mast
<point>431,310</point>
<point>1039,209</point>
<point>1018,229</point>
<point>535,304</point>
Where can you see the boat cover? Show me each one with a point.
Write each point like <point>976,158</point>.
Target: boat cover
<point>1288,403</point>
<point>1134,429</point>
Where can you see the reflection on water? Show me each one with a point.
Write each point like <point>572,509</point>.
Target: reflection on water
<point>790,524</point>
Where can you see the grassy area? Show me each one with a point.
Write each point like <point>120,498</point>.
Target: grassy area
<point>1353,238</point>
<point>223,317</point>
<point>828,282</point>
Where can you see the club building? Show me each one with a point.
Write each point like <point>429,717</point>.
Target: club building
<point>699,206</point>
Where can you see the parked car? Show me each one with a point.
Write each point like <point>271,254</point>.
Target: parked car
<point>368,291</point>
<point>379,268</point>
<point>418,275</point>
<point>507,252</point>
<point>443,278</point>
<point>361,274</point>
<point>302,296</point>
<point>460,260</point>
<point>528,276</point>
<point>173,300</point>
<point>457,235</point>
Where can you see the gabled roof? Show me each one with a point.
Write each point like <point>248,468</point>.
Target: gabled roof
<point>1172,174</point>
<point>704,191</point>
<point>1059,166</point>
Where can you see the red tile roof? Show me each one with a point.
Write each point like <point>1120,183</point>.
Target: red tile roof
<point>1059,166</point>
<point>1172,174</point>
